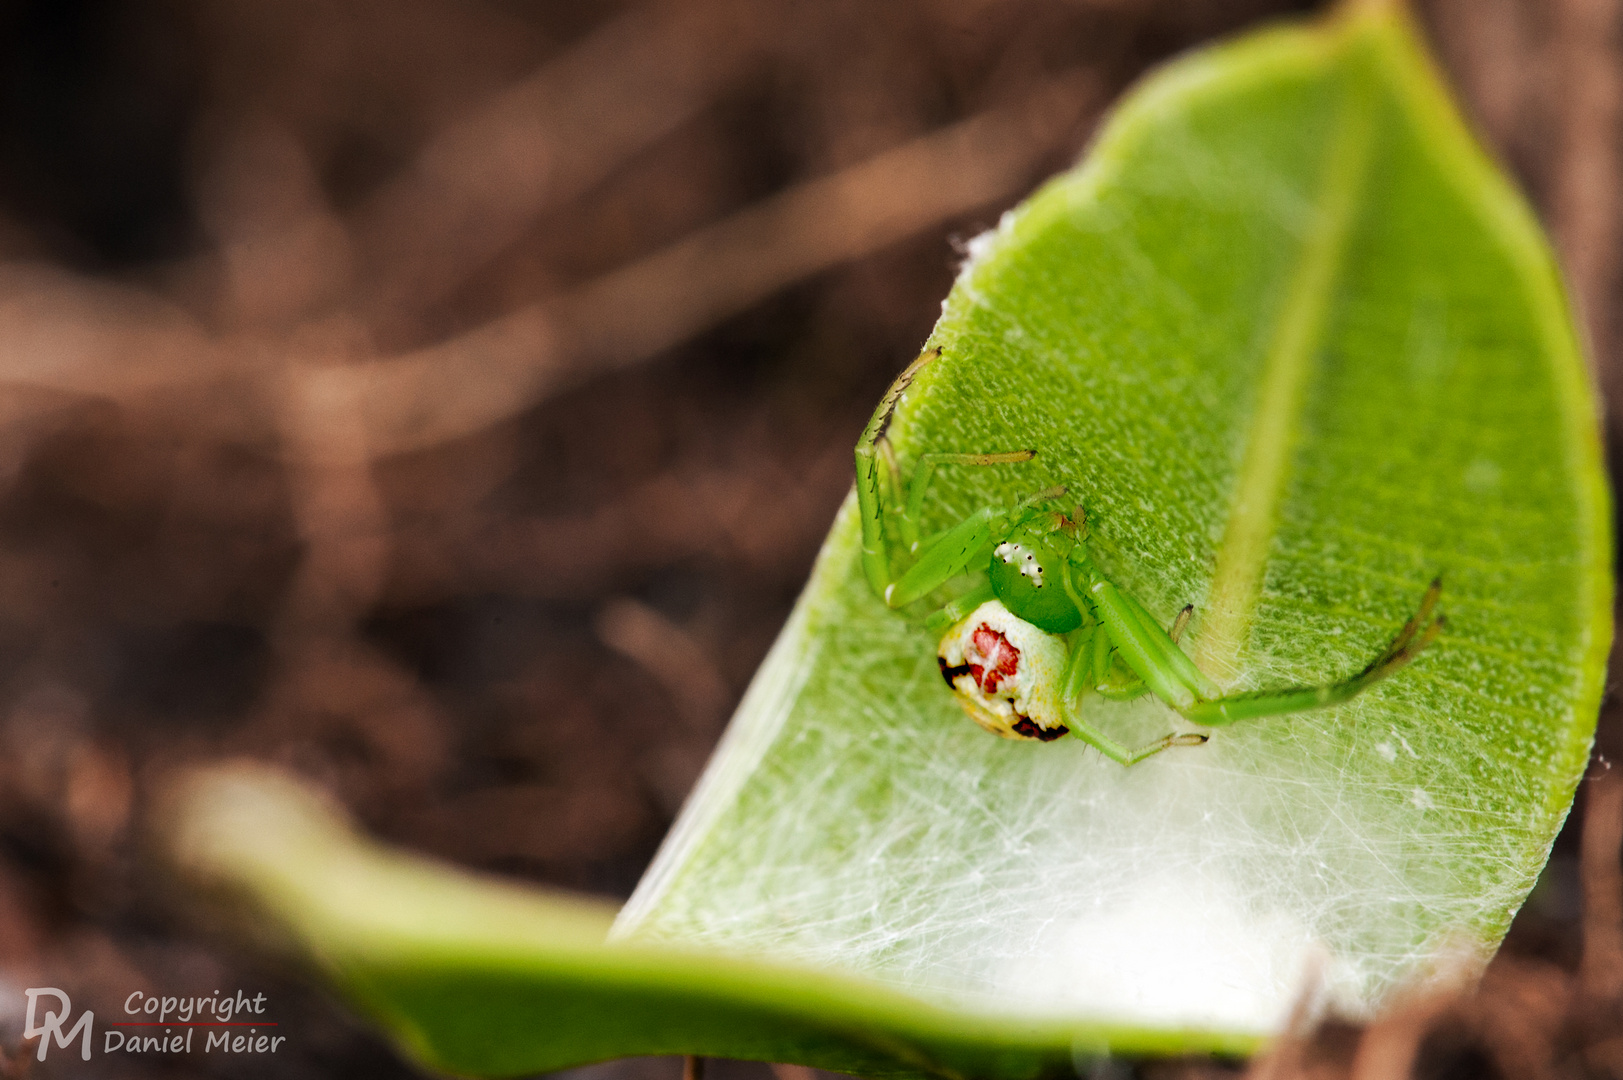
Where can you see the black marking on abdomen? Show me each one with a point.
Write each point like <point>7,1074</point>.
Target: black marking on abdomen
<point>1028,727</point>
<point>951,673</point>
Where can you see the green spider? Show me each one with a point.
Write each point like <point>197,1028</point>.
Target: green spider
<point>1047,626</point>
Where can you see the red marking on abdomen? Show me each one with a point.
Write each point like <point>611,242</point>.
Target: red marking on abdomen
<point>991,658</point>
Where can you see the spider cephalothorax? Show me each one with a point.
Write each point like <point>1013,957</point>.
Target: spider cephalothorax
<point>1026,572</point>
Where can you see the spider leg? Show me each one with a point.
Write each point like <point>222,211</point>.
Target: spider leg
<point>924,467</point>
<point>1117,689</point>
<point>1086,661</point>
<point>870,459</point>
<point>877,479</point>
<point>946,558</point>
<point>1122,691</point>
<point>1169,673</point>
<point>1180,622</point>
<point>1420,631</point>
<point>956,611</point>
<point>1169,650</point>
<point>1144,648</point>
<point>951,552</point>
<point>1120,754</point>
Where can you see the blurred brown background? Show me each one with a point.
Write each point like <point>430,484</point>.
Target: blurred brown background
<point>446,399</point>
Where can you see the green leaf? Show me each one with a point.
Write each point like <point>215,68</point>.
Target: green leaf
<point>1299,347</point>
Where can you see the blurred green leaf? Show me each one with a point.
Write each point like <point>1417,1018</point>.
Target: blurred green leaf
<point>1299,347</point>
<point>483,978</point>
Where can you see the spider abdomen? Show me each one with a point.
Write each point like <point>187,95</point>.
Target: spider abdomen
<point>1005,673</point>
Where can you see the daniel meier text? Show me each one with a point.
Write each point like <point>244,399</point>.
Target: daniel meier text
<point>189,1013</point>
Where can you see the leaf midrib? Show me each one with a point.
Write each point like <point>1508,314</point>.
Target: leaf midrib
<point>1293,352</point>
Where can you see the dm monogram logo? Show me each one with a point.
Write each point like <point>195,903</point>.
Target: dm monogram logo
<point>55,1025</point>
